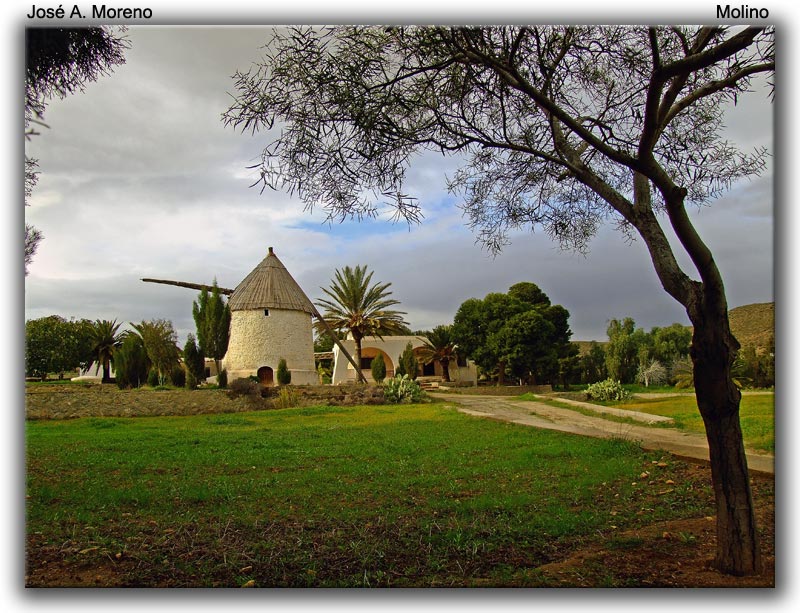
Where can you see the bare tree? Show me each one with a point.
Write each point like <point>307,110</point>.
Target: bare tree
<point>561,128</point>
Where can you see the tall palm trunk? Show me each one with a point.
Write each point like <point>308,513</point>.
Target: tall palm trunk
<point>106,370</point>
<point>445,362</point>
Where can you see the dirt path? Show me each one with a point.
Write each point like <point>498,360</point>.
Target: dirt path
<point>540,415</point>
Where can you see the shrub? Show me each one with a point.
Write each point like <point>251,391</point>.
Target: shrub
<point>244,387</point>
<point>378,368</point>
<point>153,380</point>
<point>283,375</point>
<point>194,363</point>
<point>222,378</point>
<point>408,362</point>
<point>191,381</point>
<point>402,390</point>
<point>610,389</point>
<point>287,398</point>
<point>178,376</point>
<point>130,362</point>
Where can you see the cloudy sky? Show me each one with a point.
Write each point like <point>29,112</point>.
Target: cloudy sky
<point>140,178</point>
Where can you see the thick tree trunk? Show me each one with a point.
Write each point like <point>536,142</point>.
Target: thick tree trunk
<point>713,351</point>
<point>106,371</point>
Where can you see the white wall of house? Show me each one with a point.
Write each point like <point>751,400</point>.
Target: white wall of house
<point>392,348</point>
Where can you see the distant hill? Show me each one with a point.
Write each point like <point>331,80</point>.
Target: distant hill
<point>751,324</point>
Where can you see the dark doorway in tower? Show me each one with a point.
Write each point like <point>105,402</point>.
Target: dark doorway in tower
<point>265,376</point>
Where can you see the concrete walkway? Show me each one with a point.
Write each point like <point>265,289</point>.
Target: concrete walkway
<point>540,415</point>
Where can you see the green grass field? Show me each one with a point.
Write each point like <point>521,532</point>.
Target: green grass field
<point>756,414</point>
<point>349,496</point>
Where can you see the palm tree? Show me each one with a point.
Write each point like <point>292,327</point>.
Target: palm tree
<point>160,344</point>
<point>359,308</point>
<point>105,339</point>
<point>440,347</point>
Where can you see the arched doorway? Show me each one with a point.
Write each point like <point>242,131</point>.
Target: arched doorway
<point>370,353</point>
<point>265,376</point>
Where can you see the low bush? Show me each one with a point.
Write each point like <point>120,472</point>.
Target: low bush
<point>402,390</point>
<point>244,387</point>
<point>606,391</point>
<point>284,375</point>
<point>378,368</point>
<point>287,398</point>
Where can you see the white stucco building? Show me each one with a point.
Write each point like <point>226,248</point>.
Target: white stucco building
<point>270,320</point>
<point>392,347</point>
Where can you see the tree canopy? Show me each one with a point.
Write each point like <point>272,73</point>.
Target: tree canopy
<point>55,345</point>
<point>560,128</point>
<point>519,333</point>
<point>212,317</point>
<point>357,305</point>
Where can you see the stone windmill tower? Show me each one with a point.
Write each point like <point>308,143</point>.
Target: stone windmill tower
<point>271,318</point>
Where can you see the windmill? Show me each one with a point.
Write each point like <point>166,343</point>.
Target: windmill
<point>271,318</point>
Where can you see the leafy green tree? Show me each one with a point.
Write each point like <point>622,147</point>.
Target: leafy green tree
<point>212,318</point>
<point>359,307</point>
<point>670,343</point>
<point>622,351</point>
<point>519,333</point>
<point>525,341</point>
<point>160,344</point>
<point>131,364</point>
<point>569,368</point>
<point>755,366</point>
<point>593,364</point>
<point>559,128</point>
<point>529,293</point>
<point>105,339</point>
<point>378,368</point>
<point>194,362</point>
<point>53,345</point>
<point>440,347</point>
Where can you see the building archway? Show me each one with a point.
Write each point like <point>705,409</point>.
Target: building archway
<point>265,376</point>
<point>370,353</point>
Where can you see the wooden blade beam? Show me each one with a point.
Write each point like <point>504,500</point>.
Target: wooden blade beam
<point>228,292</point>
<point>201,286</point>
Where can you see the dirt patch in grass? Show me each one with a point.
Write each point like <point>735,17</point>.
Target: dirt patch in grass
<point>675,553</point>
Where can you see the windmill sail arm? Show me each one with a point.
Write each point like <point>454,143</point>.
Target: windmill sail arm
<point>199,286</point>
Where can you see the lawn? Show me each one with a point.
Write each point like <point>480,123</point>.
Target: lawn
<point>348,496</point>
<point>756,414</point>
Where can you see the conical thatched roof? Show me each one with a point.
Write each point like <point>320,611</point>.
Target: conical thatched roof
<point>269,285</point>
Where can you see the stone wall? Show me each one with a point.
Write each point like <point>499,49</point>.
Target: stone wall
<point>334,395</point>
<point>93,400</point>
